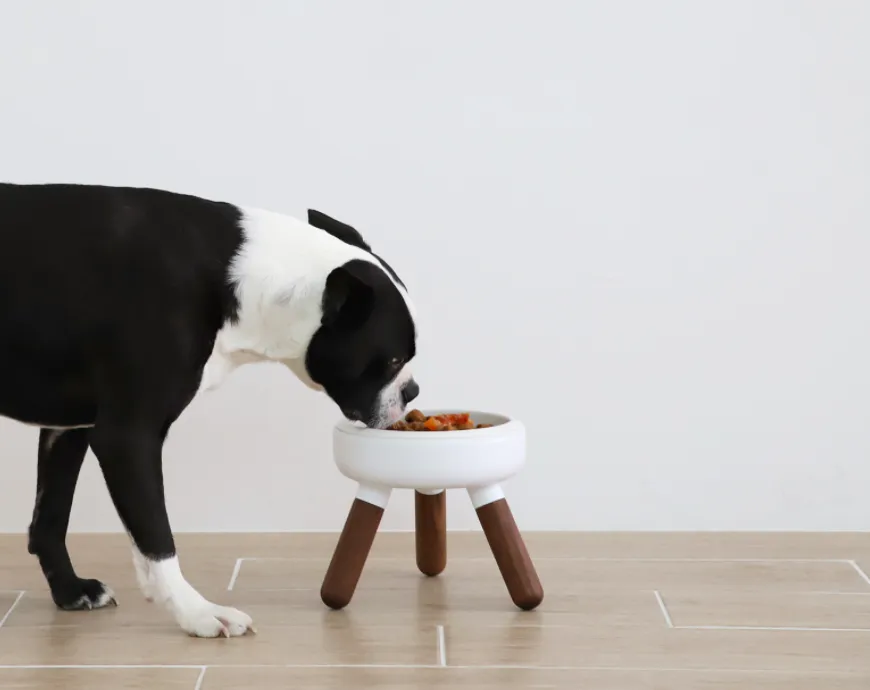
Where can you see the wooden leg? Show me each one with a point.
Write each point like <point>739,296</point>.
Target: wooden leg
<point>431,532</point>
<point>510,554</point>
<point>350,554</point>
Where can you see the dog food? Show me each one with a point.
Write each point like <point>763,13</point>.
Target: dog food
<point>415,420</point>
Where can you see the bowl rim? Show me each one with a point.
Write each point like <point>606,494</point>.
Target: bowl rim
<point>345,426</point>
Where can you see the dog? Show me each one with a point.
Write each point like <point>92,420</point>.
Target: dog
<point>118,305</point>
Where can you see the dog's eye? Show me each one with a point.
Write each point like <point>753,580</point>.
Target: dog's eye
<point>396,363</point>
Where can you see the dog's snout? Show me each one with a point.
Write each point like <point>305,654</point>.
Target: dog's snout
<point>410,391</point>
<point>352,415</point>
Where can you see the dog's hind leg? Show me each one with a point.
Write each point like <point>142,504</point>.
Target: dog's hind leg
<point>61,453</point>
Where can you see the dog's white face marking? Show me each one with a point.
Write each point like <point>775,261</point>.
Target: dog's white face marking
<point>391,405</point>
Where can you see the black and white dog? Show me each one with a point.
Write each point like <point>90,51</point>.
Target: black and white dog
<point>117,305</point>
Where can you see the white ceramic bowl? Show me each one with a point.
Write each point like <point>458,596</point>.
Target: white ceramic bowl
<point>432,460</point>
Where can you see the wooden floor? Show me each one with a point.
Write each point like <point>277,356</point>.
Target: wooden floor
<point>622,612</point>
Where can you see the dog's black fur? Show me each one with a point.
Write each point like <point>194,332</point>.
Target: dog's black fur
<point>110,302</point>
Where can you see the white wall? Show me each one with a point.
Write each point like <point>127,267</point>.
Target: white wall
<point>642,227</point>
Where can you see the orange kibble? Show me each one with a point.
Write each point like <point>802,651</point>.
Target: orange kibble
<point>415,420</point>
<point>433,424</point>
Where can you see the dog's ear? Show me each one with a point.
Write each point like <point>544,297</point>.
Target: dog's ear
<point>348,299</point>
<point>337,229</point>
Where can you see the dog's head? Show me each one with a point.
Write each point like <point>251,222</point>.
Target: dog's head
<point>360,353</point>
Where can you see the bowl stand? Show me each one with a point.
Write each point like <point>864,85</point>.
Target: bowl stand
<point>496,519</point>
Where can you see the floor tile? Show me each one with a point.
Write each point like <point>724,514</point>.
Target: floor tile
<point>272,645</point>
<point>658,649</point>
<point>511,679</point>
<point>429,606</point>
<point>771,609</point>
<point>576,575</point>
<point>99,679</point>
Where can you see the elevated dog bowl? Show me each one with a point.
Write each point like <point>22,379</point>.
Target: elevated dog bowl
<point>433,460</point>
<point>476,460</point>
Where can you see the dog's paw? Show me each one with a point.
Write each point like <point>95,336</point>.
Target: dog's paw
<point>216,621</point>
<point>84,595</point>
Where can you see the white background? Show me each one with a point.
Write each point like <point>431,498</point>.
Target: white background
<point>641,227</point>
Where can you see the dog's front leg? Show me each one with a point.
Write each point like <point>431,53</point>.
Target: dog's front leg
<point>130,456</point>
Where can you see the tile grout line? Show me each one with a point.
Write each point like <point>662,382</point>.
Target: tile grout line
<point>487,626</point>
<point>107,667</point>
<point>442,646</point>
<point>200,678</point>
<point>860,571</point>
<point>764,628</point>
<point>801,592</point>
<point>555,667</point>
<point>584,559</point>
<point>235,576</point>
<point>12,608</point>
<point>664,609</point>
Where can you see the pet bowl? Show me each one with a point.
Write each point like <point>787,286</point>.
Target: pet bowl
<point>432,460</point>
